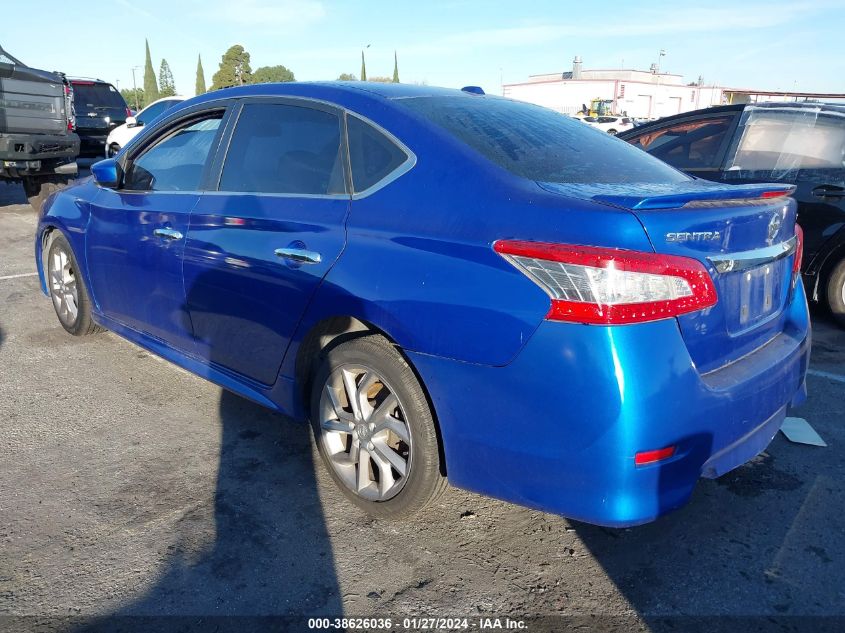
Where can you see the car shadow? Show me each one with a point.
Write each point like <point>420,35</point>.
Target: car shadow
<point>270,563</point>
<point>757,546</point>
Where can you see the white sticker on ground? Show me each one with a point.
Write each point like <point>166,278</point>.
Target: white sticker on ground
<point>18,276</point>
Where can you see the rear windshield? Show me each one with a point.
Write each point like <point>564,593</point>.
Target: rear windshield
<point>540,144</point>
<point>97,96</point>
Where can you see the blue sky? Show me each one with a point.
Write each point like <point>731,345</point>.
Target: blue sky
<point>773,45</point>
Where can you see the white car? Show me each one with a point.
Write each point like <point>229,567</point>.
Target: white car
<point>610,124</point>
<point>122,134</point>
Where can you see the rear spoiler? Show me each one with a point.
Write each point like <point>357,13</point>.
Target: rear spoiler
<point>699,197</point>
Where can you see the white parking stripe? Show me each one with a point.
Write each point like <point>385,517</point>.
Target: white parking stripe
<point>826,374</point>
<point>18,276</point>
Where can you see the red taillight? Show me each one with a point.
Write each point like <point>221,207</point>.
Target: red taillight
<point>649,457</point>
<point>778,193</point>
<point>799,251</point>
<point>128,112</point>
<point>611,286</point>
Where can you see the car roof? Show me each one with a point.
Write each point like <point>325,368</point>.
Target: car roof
<point>339,91</point>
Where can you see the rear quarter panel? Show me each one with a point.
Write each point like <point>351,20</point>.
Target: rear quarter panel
<point>419,262</point>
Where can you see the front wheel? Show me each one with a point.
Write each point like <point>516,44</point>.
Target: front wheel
<point>612,132</point>
<point>836,292</point>
<point>67,289</point>
<point>375,430</point>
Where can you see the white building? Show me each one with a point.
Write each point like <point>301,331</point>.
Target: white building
<point>647,94</point>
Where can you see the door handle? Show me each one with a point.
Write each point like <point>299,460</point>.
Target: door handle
<point>299,255</point>
<point>168,234</point>
<point>829,191</point>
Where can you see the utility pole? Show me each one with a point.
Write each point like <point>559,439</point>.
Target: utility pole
<point>135,88</point>
<point>660,57</point>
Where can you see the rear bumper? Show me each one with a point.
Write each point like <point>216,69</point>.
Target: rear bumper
<point>557,429</point>
<point>34,154</point>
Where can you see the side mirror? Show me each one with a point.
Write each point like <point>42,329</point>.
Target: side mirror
<point>131,121</point>
<point>105,173</point>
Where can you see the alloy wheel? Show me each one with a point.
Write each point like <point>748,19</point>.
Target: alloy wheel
<point>365,433</point>
<point>63,287</point>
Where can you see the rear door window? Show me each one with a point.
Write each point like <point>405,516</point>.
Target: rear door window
<point>285,149</point>
<point>689,144</point>
<point>776,143</point>
<point>176,161</point>
<point>372,155</point>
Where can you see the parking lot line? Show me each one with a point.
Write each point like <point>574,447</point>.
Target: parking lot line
<point>18,276</point>
<point>826,374</point>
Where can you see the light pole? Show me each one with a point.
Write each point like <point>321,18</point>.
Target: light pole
<point>135,88</point>
<point>660,57</point>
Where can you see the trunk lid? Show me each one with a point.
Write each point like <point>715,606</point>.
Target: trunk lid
<point>743,234</point>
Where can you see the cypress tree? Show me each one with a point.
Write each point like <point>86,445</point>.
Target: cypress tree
<point>200,85</point>
<point>150,85</point>
<point>363,68</point>
<point>395,68</point>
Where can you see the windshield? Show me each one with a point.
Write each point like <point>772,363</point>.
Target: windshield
<point>151,112</point>
<point>540,144</point>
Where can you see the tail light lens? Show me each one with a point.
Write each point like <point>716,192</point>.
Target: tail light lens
<point>128,112</point>
<point>611,286</point>
<point>799,252</point>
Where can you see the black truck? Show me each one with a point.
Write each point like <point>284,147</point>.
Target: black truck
<point>38,145</point>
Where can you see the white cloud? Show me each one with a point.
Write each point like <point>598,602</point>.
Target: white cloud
<point>646,22</point>
<point>267,13</point>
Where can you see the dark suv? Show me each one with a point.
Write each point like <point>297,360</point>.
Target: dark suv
<point>38,147</point>
<point>797,143</point>
<point>99,109</point>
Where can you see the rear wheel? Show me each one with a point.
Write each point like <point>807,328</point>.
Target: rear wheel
<point>612,132</point>
<point>113,150</point>
<point>39,188</point>
<point>67,289</point>
<point>374,429</point>
<point>836,292</point>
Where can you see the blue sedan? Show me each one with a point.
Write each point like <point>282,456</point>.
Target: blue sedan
<point>449,286</point>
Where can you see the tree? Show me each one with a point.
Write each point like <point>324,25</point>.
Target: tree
<point>347,77</point>
<point>395,68</point>
<point>199,88</point>
<point>150,85</point>
<point>166,87</point>
<point>234,69</point>
<point>134,98</point>
<point>381,80</point>
<point>363,68</point>
<point>272,74</point>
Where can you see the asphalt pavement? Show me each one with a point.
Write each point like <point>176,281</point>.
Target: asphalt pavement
<point>130,487</point>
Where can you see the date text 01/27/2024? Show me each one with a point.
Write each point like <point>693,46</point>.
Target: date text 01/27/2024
<point>418,624</point>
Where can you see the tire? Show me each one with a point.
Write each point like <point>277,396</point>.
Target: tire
<point>39,188</point>
<point>113,150</point>
<point>836,292</point>
<point>67,289</point>
<point>389,439</point>
<point>612,132</point>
